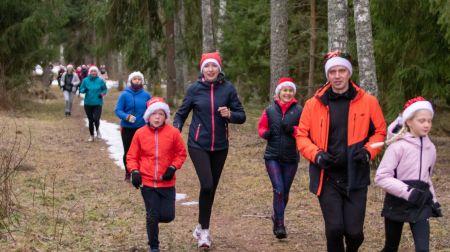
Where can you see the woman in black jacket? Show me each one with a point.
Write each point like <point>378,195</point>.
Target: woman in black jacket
<point>215,104</point>
<point>277,125</point>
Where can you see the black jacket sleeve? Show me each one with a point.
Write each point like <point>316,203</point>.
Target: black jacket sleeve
<point>184,110</point>
<point>237,110</point>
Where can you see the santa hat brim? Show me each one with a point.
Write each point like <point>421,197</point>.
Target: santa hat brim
<point>156,106</point>
<point>338,61</point>
<point>419,105</point>
<point>211,60</point>
<point>93,68</point>
<point>283,85</point>
<point>135,74</point>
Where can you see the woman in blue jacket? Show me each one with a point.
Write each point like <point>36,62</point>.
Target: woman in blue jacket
<point>130,109</point>
<point>95,88</point>
<point>215,104</point>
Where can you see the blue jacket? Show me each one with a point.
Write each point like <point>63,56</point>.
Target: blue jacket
<point>209,130</point>
<point>134,103</point>
<point>93,88</point>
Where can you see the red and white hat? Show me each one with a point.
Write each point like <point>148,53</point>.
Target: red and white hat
<point>154,104</point>
<point>285,82</point>
<point>338,61</point>
<point>135,74</point>
<point>213,57</point>
<point>93,68</point>
<point>415,104</point>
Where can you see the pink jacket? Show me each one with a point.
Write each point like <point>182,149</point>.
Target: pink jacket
<point>411,159</point>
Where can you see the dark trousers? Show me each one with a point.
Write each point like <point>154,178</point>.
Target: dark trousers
<point>159,207</point>
<point>420,231</point>
<point>127,135</point>
<point>343,215</point>
<point>93,114</point>
<point>281,175</point>
<point>209,166</point>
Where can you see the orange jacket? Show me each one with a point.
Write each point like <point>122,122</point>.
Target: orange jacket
<point>366,125</point>
<point>152,151</point>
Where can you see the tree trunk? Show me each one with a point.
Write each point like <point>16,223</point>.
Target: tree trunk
<point>208,29</point>
<point>170,61</point>
<point>222,13</point>
<point>120,75</point>
<point>180,49</point>
<point>337,25</point>
<point>364,43</point>
<point>154,47</point>
<point>278,42</point>
<point>312,47</point>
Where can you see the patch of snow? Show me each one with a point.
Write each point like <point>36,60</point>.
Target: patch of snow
<point>180,196</point>
<point>111,134</point>
<point>189,203</point>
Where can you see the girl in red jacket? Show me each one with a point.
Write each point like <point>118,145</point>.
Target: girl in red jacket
<point>156,152</point>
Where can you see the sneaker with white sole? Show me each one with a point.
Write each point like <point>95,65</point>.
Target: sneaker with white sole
<point>91,139</point>
<point>197,231</point>
<point>205,239</point>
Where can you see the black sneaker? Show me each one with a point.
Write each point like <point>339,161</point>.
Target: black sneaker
<point>280,232</point>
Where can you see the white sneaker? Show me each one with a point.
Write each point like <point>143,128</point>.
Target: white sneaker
<point>91,139</point>
<point>205,239</point>
<point>197,231</point>
<point>98,134</point>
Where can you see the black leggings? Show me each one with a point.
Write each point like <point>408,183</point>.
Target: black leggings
<point>209,166</point>
<point>93,114</point>
<point>420,231</point>
<point>160,208</point>
<point>343,215</point>
<point>127,135</point>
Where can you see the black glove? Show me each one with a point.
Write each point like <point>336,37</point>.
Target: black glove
<point>266,135</point>
<point>420,197</point>
<point>361,156</point>
<point>436,210</point>
<point>287,128</point>
<point>325,160</point>
<point>136,178</point>
<point>100,96</point>
<point>170,172</point>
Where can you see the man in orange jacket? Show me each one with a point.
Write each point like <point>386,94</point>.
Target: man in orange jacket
<point>335,131</point>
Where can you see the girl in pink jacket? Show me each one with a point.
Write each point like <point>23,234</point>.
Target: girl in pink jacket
<point>405,174</point>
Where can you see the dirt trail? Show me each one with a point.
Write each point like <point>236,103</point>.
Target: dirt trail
<point>72,197</point>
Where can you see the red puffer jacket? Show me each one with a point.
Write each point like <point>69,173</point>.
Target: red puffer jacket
<point>152,151</point>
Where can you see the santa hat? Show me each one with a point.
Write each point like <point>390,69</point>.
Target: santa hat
<point>154,104</point>
<point>415,104</point>
<point>135,74</point>
<point>213,57</point>
<point>92,68</point>
<point>338,61</point>
<point>284,82</point>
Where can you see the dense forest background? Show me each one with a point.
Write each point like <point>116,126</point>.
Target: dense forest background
<point>163,39</point>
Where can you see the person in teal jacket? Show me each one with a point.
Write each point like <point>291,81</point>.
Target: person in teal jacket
<point>94,89</point>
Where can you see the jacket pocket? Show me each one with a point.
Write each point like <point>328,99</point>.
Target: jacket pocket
<point>197,132</point>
